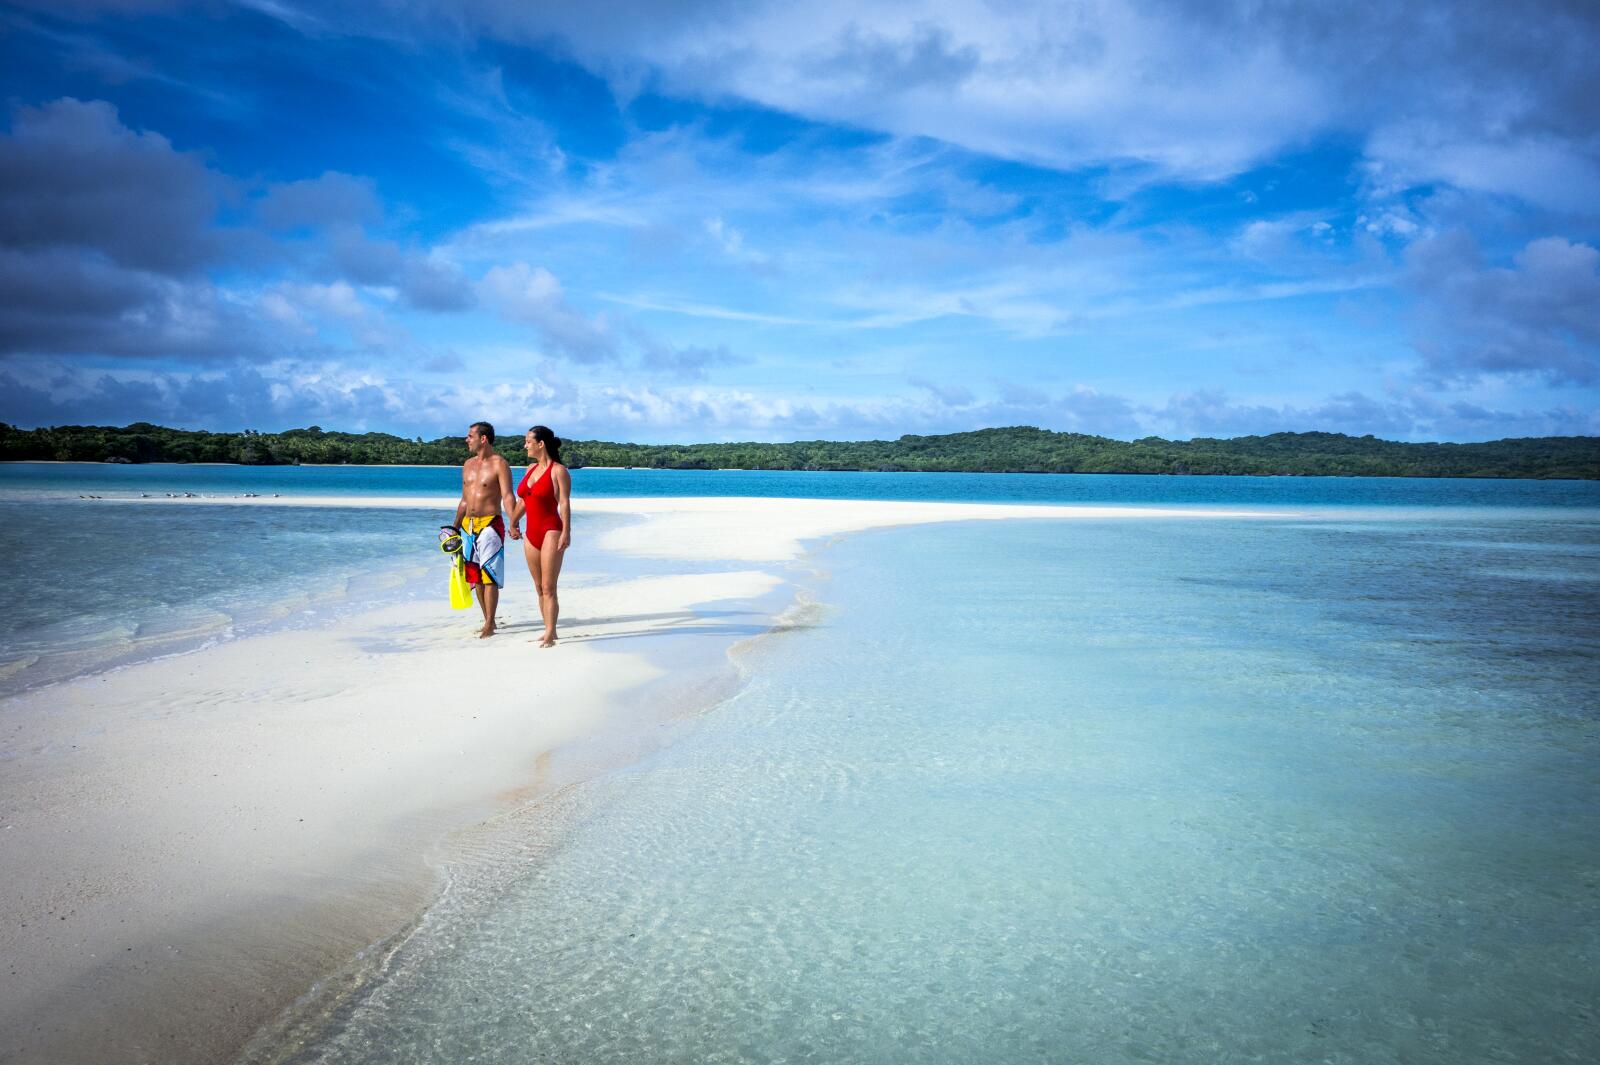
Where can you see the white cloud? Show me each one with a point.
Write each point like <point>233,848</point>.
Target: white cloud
<point>1560,174</point>
<point>1477,95</point>
<point>1402,415</point>
<point>290,393</point>
<point>532,295</point>
<point>729,239</point>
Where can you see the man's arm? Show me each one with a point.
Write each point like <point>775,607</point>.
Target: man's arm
<point>461,505</point>
<point>508,499</point>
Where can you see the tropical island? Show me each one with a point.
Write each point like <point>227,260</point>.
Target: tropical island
<point>1016,449</point>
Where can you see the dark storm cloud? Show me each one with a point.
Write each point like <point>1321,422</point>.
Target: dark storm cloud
<point>1539,315</point>
<point>334,199</point>
<point>68,301</point>
<point>233,398</point>
<point>106,401</point>
<point>72,175</point>
<point>238,398</point>
<point>104,236</point>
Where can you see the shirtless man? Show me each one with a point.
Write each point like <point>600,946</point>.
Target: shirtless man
<point>485,489</point>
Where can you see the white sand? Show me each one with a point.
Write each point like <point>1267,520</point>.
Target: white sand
<point>771,530</point>
<point>189,843</point>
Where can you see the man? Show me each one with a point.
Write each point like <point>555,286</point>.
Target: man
<point>485,488</point>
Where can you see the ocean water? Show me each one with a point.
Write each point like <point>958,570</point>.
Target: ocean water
<point>1101,792</point>
<point>97,584</point>
<point>93,586</point>
<point>68,481</point>
<point>101,582</point>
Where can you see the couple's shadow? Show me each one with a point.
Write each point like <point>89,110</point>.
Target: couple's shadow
<point>617,627</point>
<point>669,623</point>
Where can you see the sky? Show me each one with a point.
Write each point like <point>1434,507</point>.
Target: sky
<point>700,220</point>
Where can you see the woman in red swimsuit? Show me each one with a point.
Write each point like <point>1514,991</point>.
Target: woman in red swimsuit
<point>545,496</point>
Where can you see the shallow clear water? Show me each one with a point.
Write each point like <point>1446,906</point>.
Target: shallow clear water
<point>1079,792</point>
<point>72,479</point>
<point>95,585</point>
<point>102,582</point>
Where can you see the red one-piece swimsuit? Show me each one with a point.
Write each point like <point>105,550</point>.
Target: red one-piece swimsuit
<point>539,499</point>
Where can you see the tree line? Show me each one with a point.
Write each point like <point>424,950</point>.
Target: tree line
<point>1019,449</point>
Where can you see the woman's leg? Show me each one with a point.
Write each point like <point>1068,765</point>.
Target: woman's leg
<point>530,554</point>
<point>550,570</point>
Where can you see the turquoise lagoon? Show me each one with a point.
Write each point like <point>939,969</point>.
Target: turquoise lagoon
<point>1101,792</point>
<point>68,481</point>
<point>96,583</point>
<point>1321,787</point>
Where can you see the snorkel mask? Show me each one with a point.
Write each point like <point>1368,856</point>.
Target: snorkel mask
<point>450,539</point>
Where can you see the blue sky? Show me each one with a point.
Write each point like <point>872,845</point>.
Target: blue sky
<point>713,221</point>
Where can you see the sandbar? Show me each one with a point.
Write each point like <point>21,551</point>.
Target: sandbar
<point>191,843</point>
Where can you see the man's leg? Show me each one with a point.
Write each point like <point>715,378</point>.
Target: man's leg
<point>489,601</point>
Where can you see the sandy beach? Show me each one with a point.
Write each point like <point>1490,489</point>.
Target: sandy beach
<point>192,843</point>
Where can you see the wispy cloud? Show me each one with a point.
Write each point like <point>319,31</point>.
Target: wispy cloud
<point>706,310</point>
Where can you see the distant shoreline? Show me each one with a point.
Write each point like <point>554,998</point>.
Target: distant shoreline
<point>1013,449</point>
<point>760,469</point>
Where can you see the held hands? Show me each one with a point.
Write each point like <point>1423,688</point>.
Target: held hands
<point>516,533</point>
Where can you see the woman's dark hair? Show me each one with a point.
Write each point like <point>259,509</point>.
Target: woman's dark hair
<point>551,441</point>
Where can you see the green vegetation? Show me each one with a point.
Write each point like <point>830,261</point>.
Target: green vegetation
<point>1020,449</point>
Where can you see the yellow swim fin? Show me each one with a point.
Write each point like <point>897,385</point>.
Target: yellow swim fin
<point>460,590</point>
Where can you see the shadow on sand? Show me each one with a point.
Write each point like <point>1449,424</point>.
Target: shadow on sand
<point>672,623</point>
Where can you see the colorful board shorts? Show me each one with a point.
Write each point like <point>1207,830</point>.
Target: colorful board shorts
<point>483,549</point>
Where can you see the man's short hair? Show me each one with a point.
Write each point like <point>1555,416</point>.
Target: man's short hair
<point>485,430</point>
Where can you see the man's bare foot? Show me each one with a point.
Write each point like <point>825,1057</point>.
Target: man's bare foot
<point>486,632</point>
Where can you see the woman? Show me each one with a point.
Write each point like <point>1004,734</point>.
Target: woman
<point>545,496</point>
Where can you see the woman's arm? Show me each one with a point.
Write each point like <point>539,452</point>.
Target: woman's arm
<point>563,482</point>
<point>512,504</point>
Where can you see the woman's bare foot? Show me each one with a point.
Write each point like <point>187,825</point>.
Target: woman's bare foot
<point>548,640</point>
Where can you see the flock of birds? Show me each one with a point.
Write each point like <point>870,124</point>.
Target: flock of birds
<point>187,495</point>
